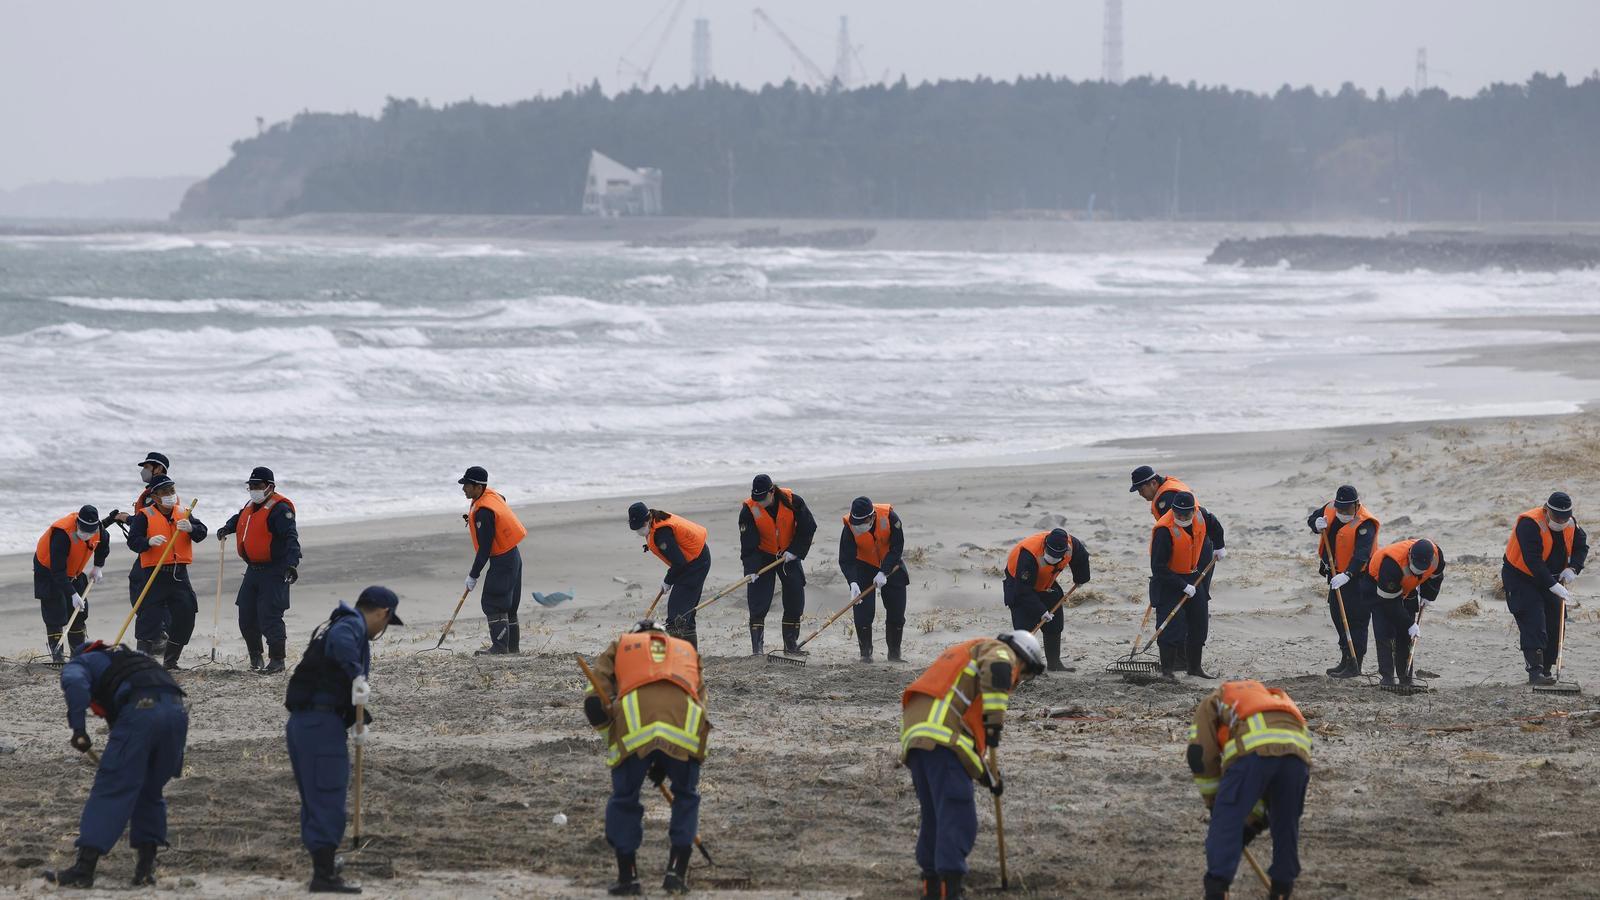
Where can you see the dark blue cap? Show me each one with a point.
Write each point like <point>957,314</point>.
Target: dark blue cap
<point>1057,542</point>
<point>1183,501</point>
<point>760,486</point>
<point>1559,502</point>
<point>1140,476</point>
<point>861,509</point>
<point>159,459</point>
<point>1422,554</point>
<point>88,515</point>
<point>382,598</point>
<point>262,473</point>
<point>1346,495</point>
<point>475,475</point>
<point>157,483</point>
<point>637,514</point>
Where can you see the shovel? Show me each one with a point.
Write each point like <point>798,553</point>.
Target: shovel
<point>1560,687</point>
<point>448,625</point>
<point>1132,665</point>
<point>166,551</point>
<point>779,656</point>
<point>739,584</point>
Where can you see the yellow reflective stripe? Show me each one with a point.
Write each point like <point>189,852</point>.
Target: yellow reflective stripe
<point>1255,738</point>
<point>636,736</point>
<point>969,749</point>
<point>1207,786</point>
<point>1194,734</point>
<point>996,700</point>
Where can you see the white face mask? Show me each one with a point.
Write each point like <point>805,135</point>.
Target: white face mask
<point>1414,570</point>
<point>1559,526</point>
<point>84,536</point>
<point>258,496</point>
<point>167,501</point>
<point>147,473</point>
<point>861,528</point>
<point>642,531</point>
<point>1345,518</point>
<point>1184,521</point>
<point>1051,560</point>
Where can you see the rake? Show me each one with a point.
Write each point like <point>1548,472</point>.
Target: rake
<point>780,655</point>
<point>1560,687</point>
<point>1057,608</point>
<point>166,551</point>
<point>1132,665</point>
<point>448,625</point>
<point>1338,595</point>
<point>216,613</point>
<point>1411,665</point>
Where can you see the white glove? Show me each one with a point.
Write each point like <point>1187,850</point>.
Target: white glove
<point>1188,590</point>
<point>77,602</point>
<point>1049,616</point>
<point>1561,591</point>
<point>360,692</point>
<point>855,590</point>
<point>790,557</point>
<point>666,589</point>
<point>359,736</point>
<point>97,574</point>
<point>880,579</point>
<point>185,526</point>
<point>1568,576</point>
<point>471,582</point>
<point>158,540</point>
<point>1220,553</point>
<point>1415,631</point>
<point>1338,581</point>
<point>1321,524</point>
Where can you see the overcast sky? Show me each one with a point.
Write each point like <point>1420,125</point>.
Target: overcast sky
<point>92,90</point>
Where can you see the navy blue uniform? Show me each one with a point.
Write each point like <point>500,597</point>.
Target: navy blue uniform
<point>1278,782</point>
<point>893,593</point>
<point>169,608</point>
<point>949,814</point>
<point>264,590</point>
<point>320,711</point>
<point>791,575</point>
<point>1027,605</point>
<point>502,587</point>
<point>54,590</point>
<point>1528,597</point>
<point>1357,607</point>
<point>1392,615</point>
<point>1191,626</point>
<point>687,580</point>
<point>149,727</point>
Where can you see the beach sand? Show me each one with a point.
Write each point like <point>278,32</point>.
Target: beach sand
<point>1480,788</point>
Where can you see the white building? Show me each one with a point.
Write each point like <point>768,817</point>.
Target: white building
<point>613,189</point>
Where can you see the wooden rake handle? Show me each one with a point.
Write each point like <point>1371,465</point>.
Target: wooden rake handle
<point>739,584</point>
<point>166,551</point>
<point>67,629</point>
<point>866,592</point>
<point>451,624</point>
<point>1176,609</point>
<point>1060,603</point>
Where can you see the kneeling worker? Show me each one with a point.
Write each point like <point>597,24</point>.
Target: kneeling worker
<point>149,725</point>
<point>1030,585</point>
<point>656,727</point>
<point>1250,755</point>
<point>949,718</point>
<point>324,691</point>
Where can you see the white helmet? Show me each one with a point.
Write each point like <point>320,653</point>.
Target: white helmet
<point>1027,647</point>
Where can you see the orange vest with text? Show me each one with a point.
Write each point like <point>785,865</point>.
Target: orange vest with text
<point>78,552</point>
<point>1344,544</point>
<point>508,529</point>
<point>252,538</point>
<point>691,538</point>
<point>1246,698</point>
<point>1048,574</point>
<point>1401,553</point>
<point>1168,486</point>
<point>156,522</point>
<point>652,656</point>
<point>1186,548</point>
<point>1546,539</point>
<point>873,546</point>
<point>776,533</point>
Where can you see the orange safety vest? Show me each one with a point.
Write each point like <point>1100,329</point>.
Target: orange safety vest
<point>508,529</point>
<point>1168,486</point>
<point>1546,539</point>
<point>873,546</point>
<point>156,522</point>
<point>1246,698</point>
<point>691,538</point>
<point>652,656</point>
<point>943,675</point>
<point>1401,553</point>
<point>1185,547</point>
<point>251,536</point>
<point>776,533</point>
<point>78,553</point>
<point>1047,573</point>
<point>1344,544</point>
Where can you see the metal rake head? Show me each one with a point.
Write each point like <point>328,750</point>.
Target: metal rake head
<point>1560,687</point>
<point>360,857</point>
<point>1134,667</point>
<point>1405,689</point>
<point>777,656</point>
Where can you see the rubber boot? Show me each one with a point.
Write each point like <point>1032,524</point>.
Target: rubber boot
<point>144,871</point>
<point>758,639</point>
<point>891,636</point>
<point>1352,667</point>
<point>1402,660</point>
<point>275,656</point>
<point>253,647</point>
<point>677,878</point>
<point>1169,655</point>
<point>1280,890</point>
<point>1196,656</point>
<point>1180,656</point>
<point>514,638</point>
<point>77,637</point>
<point>951,882</point>
<point>52,641</point>
<point>1386,662</point>
<point>1537,673</point>
<point>158,647</point>
<point>930,886</point>
<point>1052,654</point>
<point>791,641</point>
<point>81,874</point>
<point>1216,888</point>
<point>169,659</point>
<point>325,877</point>
<point>864,641</point>
<point>499,635</point>
<point>145,647</point>
<point>627,877</point>
<point>1339,669</point>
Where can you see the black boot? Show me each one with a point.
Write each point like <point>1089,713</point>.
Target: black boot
<point>144,871</point>
<point>951,882</point>
<point>514,636</point>
<point>325,877</point>
<point>275,655</point>
<point>1537,673</point>
<point>891,637</point>
<point>677,880</point>
<point>499,635</point>
<point>1052,654</point>
<point>169,659</point>
<point>158,647</point>
<point>758,639</point>
<point>1402,659</point>
<point>1386,662</point>
<point>627,877</point>
<point>1343,666</point>
<point>148,648</point>
<point>864,641</point>
<point>77,637</point>
<point>1216,888</point>
<point>52,641</point>
<point>930,886</point>
<point>253,647</point>
<point>1169,655</point>
<point>1280,890</point>
<point>791,641</point>
<point>1352,667</point>
<point>1196,656</point>
<point>81,874</point>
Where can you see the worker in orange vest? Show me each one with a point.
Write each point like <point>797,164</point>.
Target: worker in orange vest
<point>1401,579</point>
<point>681,544</point>
<point>496,531</point>
<point>1544,554</point>
<point>1346,536</point>
<point>1250,755</point>
<point>1182,544</point>
<point>1162,491</point>
<point>69,555</point>
<point>1031,590</point>
<point>872,551</point>
<point>268,540</point>
<point>165,621</point>
<point>775,522</point>
<point>949,717</point>
<point>653,719</point>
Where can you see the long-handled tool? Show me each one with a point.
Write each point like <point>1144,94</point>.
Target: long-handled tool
<point>1132,665</point>
<point>800,661</point>
<point>999,820</point>
<point>1560,687</point>
<point>1338,596</point>
<point>600,691</point>
<point>650,611</point>
<point>1411,664</point>
<point>216,611</point>
<point>72,620</point>
<point>1057,608</point>
<point>739,584</point>
<point>360,855</point>
<point>1260,872</point>
<point>445,632</point>
<point>166,551</point>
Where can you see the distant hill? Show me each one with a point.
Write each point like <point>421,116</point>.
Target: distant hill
<point>117,198</point>
<point>1033,148</point>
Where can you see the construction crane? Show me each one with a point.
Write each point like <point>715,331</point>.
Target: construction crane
<point>642,73</point>
<point>819,77</point>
